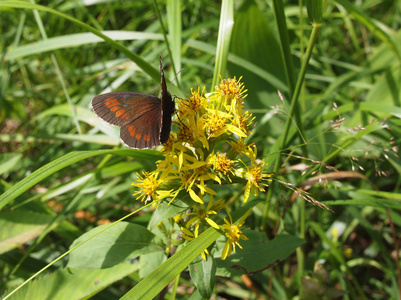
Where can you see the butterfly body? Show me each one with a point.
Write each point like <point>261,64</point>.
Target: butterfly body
<point>145,120</point>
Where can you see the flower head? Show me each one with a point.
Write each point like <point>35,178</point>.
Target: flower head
<point>255,176</point>
<point>202,215</point>
<point>222,164</point>
<point>233,233</point>
<point>207,148</point>
<point>148,184</point>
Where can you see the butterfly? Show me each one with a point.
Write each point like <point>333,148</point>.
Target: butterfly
<point>145,120</point>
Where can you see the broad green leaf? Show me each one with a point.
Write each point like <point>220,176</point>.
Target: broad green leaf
<point>19,227</point>
<point>167,210</point>
<point>386,90</point>
<point>112,139</point>
<point>122,241</point>
<point>73,283</point>
<point>203,275</point>
<point>149,262</point>
<point>255,42</point>
<point>174,11</point>
<point>258,253</point>
<point>366,201</point>
<point>253,68</point>
<point>362,106</point>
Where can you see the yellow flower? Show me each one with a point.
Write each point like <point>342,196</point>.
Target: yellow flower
<point>193,105</point>
<point>243,122</point>
<point>191,165</point>
<point>255,176</point>
<point>230,94</point>
<point>218,205</point>
<point>218,123</point>
<point>233,234</point>
<point>201,215</point>
<point>148,185</point>
<point>197,173</point>
<point>347,253</point>
<point>192,130</point>
<point>238,147</point>
<point>222,164</point>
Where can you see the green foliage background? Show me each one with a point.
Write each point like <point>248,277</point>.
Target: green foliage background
<point>341,145</point>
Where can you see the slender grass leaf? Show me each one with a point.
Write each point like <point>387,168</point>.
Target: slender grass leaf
<point>76,40</point>
<point>8,161</point>
<point>372,24</point>
<point>63,162</point>
<point>149,287</point>
<point>223,40</point>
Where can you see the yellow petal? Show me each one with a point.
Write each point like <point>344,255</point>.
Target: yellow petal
<point>212,223</point>
<point>195,197</point>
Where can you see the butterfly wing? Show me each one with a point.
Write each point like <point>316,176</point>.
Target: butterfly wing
<point>168,108</point>
<point>139,115</point>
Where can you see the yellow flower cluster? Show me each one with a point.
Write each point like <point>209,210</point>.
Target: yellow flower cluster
<point>192,165</point>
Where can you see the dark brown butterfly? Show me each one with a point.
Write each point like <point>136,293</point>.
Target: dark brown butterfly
<point>145,120</point>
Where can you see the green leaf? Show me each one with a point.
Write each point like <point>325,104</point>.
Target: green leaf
<point>253,68</point>
<point>153,72</point>
<point>258,253</point>
<point>149,287</point>
<point>203,275</point>
<point>174,19</point>
<point>8,161</point>
<point>315,11</point>
<point>19,227</point>
<point>121,168</point>
<point>223,40</point>
<point>63,162</point>
<point>149,262</point>
<point>73,283</point>
<point>262,51</point>
<point>113,246</point>
<point>374,26</point>
<point>75,40</point>
<point>166,210</point>
<point>364,198</point>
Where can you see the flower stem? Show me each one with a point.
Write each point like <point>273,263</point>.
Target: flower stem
<point>301,78</point>
<point>298,86</point>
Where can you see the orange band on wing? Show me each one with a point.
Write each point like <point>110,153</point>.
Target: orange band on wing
<point>120,112</point>
<point>109,102</point>
<point>131,130</point>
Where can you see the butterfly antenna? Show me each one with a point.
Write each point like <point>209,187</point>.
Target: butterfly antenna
<point>175,77</point>
<point>182,123</point>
